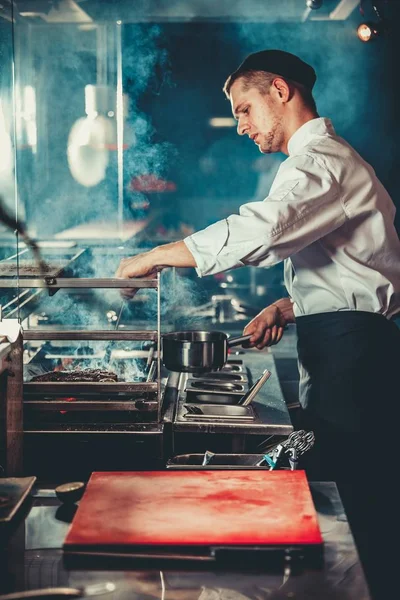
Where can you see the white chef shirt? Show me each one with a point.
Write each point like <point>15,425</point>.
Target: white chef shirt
<point>328,217</point>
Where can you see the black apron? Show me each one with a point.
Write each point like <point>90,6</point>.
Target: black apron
<point>353,361</point>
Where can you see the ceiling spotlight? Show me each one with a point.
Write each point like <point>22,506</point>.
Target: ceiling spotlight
<point>314,4</point>
<point>368,31</point>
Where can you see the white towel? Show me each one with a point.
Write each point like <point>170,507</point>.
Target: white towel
<point>10,328</point>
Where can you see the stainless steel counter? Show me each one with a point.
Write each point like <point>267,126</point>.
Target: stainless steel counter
<point>31,557</point>
<point>271,415</point>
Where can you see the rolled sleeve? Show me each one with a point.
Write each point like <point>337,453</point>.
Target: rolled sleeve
<point>206,246</point>
<point>303,205</point>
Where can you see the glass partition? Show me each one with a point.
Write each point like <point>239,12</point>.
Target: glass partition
<point>116,137</point>
<point>10,211</point>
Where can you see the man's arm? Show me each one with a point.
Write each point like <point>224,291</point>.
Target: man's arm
<point>266,329</point>
<point>175,254</point>
<point>285,307</point>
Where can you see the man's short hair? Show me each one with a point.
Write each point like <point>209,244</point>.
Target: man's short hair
<point>260,68</point>
<point>262,81</point>
<point>284,64</point>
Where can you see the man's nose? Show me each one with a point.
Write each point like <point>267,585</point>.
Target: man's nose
<point>241,128</point>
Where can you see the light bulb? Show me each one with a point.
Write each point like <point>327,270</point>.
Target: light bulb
<point>367,31</point>
<point>87,154</point>
<point>92,137</point>
<point>314,4</point>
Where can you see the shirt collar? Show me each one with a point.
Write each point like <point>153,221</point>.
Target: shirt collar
<point>305,133</point>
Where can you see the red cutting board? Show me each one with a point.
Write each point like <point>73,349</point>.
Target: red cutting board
<point>194,508</point>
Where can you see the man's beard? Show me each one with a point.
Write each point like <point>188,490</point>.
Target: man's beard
<point>272,142</point>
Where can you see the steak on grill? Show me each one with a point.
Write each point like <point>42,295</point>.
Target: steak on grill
<point>96,375</point>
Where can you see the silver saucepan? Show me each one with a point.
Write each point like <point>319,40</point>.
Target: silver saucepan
<point>197,351</point>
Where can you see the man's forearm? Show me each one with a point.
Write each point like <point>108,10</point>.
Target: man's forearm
<point>285,306</point>
<point>175,254</point>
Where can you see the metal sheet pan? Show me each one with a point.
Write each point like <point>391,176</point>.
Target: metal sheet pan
<point>13,491</point>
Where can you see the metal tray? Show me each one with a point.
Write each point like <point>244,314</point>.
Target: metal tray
<point>233,388</point>
<point>200,412</point>
<point>218,461</point>
<point>13,491</point>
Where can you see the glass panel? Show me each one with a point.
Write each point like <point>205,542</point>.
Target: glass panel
<point>8,207</point>
<point>123,141</point>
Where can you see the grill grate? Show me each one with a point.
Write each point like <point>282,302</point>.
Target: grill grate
<point>28,269</point>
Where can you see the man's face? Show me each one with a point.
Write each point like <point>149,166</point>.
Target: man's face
<point>259,116</point>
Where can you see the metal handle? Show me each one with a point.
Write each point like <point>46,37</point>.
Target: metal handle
<point>44,593</point>
<point>255,388</point>
<point>93,589</point>
<point>235,341</point>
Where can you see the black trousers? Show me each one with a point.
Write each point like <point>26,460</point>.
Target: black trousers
<point>353,360</point>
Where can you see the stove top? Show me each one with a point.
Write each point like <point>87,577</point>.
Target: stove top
<point>212,402</point>
<point>216,396</point>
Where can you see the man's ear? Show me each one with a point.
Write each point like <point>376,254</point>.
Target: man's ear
<point>281,89</point>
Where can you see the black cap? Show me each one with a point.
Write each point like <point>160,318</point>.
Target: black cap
<point>280,63</point>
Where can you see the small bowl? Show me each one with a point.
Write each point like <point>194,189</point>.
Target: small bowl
<point>70,492</point>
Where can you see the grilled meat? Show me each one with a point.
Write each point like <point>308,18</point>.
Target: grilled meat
<point>79,375</point>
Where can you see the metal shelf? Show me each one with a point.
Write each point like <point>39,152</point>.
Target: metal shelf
<point>78,282</point>
<point>82,334</point>
<point>76,388</point>
<point>70,388</point>
<point>91,405</point>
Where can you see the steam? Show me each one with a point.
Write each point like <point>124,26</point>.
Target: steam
<point>179,296</point>
<point>216,169</point>
<point>60,80</point>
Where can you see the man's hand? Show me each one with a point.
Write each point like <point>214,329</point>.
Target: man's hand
<point>141,265</point>
<point>266,329</point>
<point>147,264</point>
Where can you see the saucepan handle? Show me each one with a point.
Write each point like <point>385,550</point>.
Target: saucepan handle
<point>235,341</point>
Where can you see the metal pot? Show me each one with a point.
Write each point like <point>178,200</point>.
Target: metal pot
<point>197,351</point>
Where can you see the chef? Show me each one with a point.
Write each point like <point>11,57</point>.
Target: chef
<point>329,218</point>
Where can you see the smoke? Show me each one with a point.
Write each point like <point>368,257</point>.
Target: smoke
<point>173,73</point>
<point>90,312</point>
<point>59,79</point>
<point>102,309</point>
<point>145,60</point>
<point>181,299</point>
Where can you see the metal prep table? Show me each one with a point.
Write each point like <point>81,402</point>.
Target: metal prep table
<point>272,417</point>
<point>31,557</point>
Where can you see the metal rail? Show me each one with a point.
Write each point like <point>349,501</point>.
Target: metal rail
<point>78,282</point>
<point>75,388</point>
<point>139,405</point>
<point>83,334</point>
